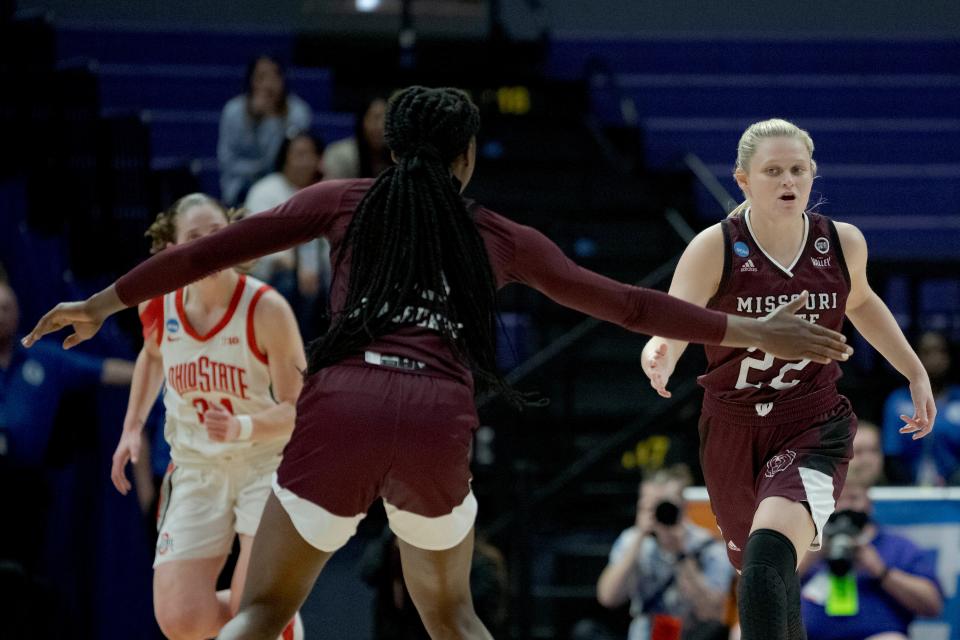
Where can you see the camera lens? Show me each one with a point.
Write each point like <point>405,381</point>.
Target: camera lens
<point>840,554</point>
<point>841,534</point>
<point>667,513</point>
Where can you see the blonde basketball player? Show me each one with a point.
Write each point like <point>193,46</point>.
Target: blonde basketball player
<point>775,435</point>
<point>229,351</point>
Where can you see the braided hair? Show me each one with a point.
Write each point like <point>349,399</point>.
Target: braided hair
<point>416,253</point>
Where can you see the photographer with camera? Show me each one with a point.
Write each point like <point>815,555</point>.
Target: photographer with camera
<point>866,582</point>
<point>674,573</point>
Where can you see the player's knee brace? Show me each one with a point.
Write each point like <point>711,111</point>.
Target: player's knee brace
<point>767,585</point>
<point>795,628</point>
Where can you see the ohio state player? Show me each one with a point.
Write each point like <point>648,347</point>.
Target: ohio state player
<point>775,435</point>
<point>229,351</point>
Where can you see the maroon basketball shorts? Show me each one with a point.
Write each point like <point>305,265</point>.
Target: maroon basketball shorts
<point>365,431</point>
<point>745,461</point>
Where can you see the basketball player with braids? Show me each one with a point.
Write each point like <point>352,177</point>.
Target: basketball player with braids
<point>228,350</point>
<point>776,436</point>
<point>387,409</point>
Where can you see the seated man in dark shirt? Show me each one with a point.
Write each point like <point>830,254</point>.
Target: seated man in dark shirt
<point>32,382</point>
<point>31,385</point>
<point>895,580</point>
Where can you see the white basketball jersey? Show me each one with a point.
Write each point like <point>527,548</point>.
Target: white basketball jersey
<point>223,368</point>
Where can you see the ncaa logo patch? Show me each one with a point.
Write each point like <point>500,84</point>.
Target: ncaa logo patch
<point>821,244</point>
<point>741,249</point>
<point>779,462</point>
<point>173,325</point>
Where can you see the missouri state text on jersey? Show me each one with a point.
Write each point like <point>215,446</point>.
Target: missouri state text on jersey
<point>816,303</point>
<point>754,283</point>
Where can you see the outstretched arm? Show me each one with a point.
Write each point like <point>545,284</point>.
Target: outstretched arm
<point>539,263</point>
<point>874,321</point>
<point>306,215</point>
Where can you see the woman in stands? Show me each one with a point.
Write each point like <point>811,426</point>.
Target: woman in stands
<point>387,408</point>
<point>775,435</point>
<point>254,124</point>
<point>228,349</point>
<point>365,153</point>
<point>303,273</point>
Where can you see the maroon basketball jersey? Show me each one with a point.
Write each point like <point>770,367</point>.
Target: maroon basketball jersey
<point>754,284</point>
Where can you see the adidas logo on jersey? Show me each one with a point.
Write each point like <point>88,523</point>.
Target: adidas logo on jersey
<point>732,546</point>
<point>820,262</point>
<point>748,266</point>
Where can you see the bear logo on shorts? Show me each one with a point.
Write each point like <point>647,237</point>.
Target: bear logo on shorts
<point>779,462</point>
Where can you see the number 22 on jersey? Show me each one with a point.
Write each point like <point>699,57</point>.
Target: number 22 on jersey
<point>765,364</point>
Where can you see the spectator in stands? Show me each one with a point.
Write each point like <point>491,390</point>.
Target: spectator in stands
<point>31,385</point>
<point>666,566</point>
<point>365,154</point>
<point>895,580</point>
<point>934,460</point>
<point>253,125</point>
<point>394,614</point>
<point>866,466</point>
<point>300,275</point>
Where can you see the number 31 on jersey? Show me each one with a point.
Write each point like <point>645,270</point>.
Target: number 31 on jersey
<point>203,406</point>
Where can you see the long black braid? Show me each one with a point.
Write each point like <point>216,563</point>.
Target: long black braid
<point>414,245</point>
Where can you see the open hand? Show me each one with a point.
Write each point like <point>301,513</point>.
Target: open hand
<point>790,337</point>
<point>924,410</point>
<point>658,367</point>
<point>84,317</point>
<point>81,316</point>
<point>128,450</point>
